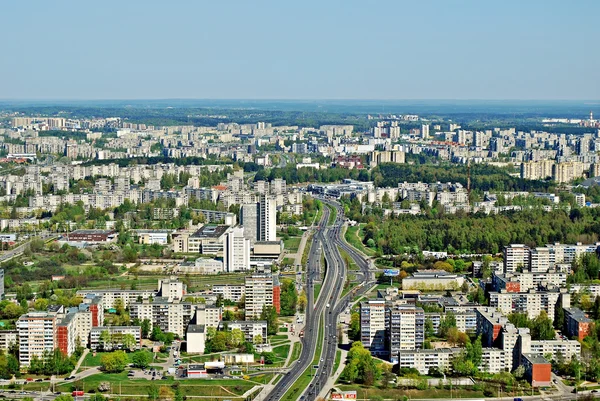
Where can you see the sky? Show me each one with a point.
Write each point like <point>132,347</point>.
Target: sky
<point>324,49</point>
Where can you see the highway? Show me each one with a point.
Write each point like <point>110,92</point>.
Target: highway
<point>327,308</point>
<point>314,314</point>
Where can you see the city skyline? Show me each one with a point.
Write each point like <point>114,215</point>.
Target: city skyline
<point>397,50</point>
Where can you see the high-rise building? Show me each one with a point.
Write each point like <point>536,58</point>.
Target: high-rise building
<point>37,333</point>
<point>516,256</point>
<point>260,219</point>
<point>1,283</point>
<point>259,293</point>
<point>425,131</point>
<point>406,329</point>
<point>236,250</point>
<point>372,326</point>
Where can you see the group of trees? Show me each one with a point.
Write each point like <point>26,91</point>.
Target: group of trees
<point>109,341</point>
<point>484,177</point>
<point>52,363</point>
<point>269,314</point>
<point>480,233</point>
<point>224,340</point>
<point>9,363</point>
<point>114,362</point>
<point>288,298</point>
<point>360,366</point>
<point>541,327</point>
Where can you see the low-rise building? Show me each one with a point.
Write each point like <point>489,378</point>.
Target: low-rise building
<point>433,281</point>
<point>577,324</point>
<point>250,328</point>
<point>116,335</point>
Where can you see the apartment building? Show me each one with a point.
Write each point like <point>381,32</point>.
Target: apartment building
<point>37,333</point>
<point>116,336</point>
<point>466,321</point>
<point>171,317</point>
<point>531,302</point>
<point>373,326</point>
<point>8,338</point>
<point>259,294</point>
<point>236,250</point>
<point>405,329</point>
<point>250,328</point>
<point>230,292</point>
<point>577,323</point>
<point>109,296</point>
<point>425,359</point>
<point>516,258</point>
<point>171,288</point>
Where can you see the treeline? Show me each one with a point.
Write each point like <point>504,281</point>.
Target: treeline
<point>480,233</point>
<point>292,175</point>
<point>484,177</point>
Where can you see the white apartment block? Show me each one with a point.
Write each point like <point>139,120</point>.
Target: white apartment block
<point>230,292</point>
<point>425,359</point>
<point>37,333</point>
<point>250,328</point>
<point>172,289</point>
<point>531,302</point>
<point>110,296</point>
<point>516,257</point>
<point>8,338</point>
<point>567,348</point>
<point>493,360</point>
<point>405,329</point>
<point>236,250</point>
<point>259,294</point>
<point>372,326</point>
<point>116,335</point>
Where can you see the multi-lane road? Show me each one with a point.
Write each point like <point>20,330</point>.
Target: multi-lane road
<point>327,308</point>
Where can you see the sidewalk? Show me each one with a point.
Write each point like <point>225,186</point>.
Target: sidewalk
<point>80,361</point>
<point>333,378</point>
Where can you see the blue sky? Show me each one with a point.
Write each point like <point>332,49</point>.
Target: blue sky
<point>436,49</point>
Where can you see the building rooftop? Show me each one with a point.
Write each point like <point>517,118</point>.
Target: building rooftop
<point>536,358</point>
<point>210,231</point>
<point>196,328</point>
<point>88,232</point>
<point>578,315</point>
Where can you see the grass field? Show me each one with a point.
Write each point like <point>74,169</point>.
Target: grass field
<point>296,352</point>
<point>121,383</point>
<point>292,244</point>
<point>367,393</point>
<point>304,380</point>
<point>317,290</point>
<point>353,237</point>
<point>338,359</point>
<point>349,261</point>
<point>332,214</point>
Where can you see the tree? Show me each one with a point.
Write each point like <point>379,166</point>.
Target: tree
<point>237,337</point>
<point>258,339</point>
<point>119,306</point>
<point>141,359</point>
<point>145,328</point>
<point>64,397</point>
<point>429,331</point>
<point>288,298</point>
<point>446,323</point>
<point>269,314</point>
<point>128,342</point>
<point>360,366</point>
<point>354,328</point>
<point>302,301</point>
<point>105,339</point>
<point>542,328</point>
<point>115,362</point>
<point>97,397</point>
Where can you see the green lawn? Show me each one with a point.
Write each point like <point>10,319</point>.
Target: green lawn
<point>393,393</point>
<point>332,215</point>
<point>352,237</point>
<point>317,290</point>
<point>282,352</point>
<point>292,244</point>
<point>338,359</point>
<point>205,387</point>
<point>296,352</point>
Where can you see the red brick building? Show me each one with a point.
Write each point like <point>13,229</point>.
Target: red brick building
<point>537,370</point>
<point>577,324</point>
